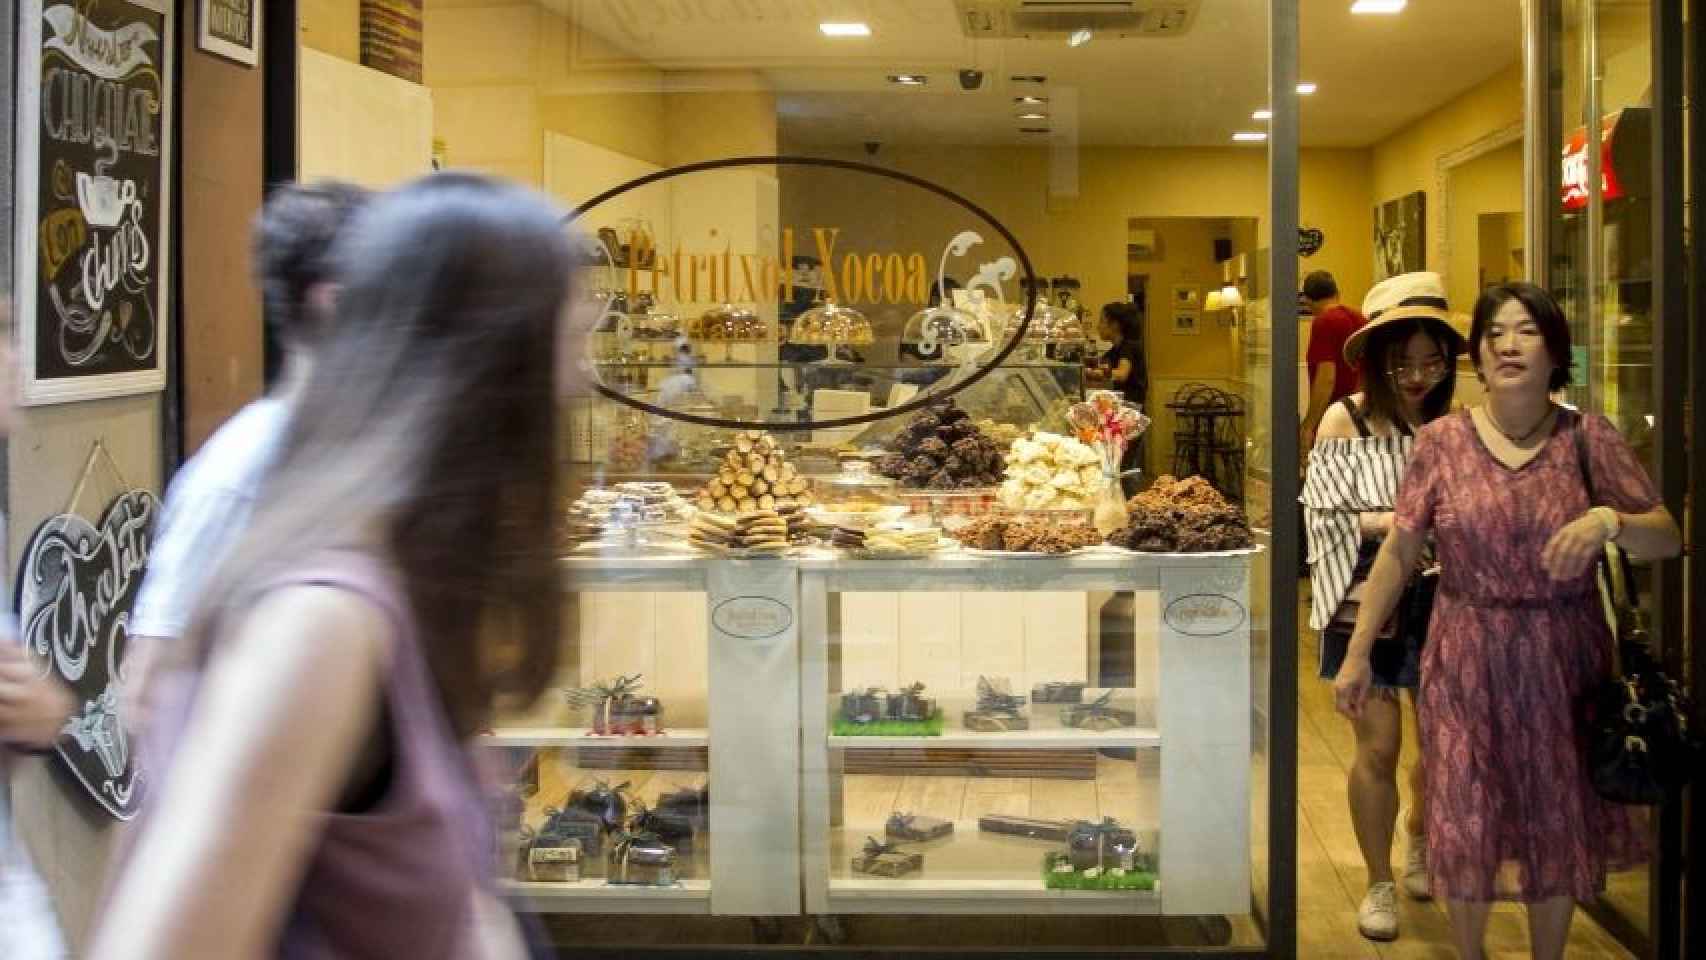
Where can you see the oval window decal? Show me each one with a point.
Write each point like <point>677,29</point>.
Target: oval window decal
<point>1205,615</point>
<point>752,618</point>
<point>718,280</point>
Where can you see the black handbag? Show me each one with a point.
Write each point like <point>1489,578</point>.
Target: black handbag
<point>1635,721</point>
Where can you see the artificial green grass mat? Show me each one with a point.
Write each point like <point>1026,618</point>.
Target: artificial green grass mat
<point>890,728</point>
<point>1133,880</point>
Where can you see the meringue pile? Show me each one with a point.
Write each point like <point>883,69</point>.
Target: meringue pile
<point>1048,471</point>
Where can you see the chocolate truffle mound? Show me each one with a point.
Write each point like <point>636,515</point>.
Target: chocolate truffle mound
<point>941,449</point>
<point>1182,516</point>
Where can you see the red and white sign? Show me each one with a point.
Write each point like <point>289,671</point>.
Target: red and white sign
<point>1574,183</point>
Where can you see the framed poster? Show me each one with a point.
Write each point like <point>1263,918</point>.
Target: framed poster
<point>93,185</point>
<point>230,29</point>
<point>1187,322</point>
<point>1401,236</point>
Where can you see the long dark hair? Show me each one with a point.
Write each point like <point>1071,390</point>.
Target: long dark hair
<point>427,429</point>
<point>1385,345</point>
<point>1126,317</point>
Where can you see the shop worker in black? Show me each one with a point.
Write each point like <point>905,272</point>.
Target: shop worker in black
<point>1124,369</point>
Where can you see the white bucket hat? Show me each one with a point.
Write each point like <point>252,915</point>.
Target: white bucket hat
<point>1408,296</point>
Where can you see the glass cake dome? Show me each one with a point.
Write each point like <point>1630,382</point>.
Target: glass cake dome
<point>828,323</point>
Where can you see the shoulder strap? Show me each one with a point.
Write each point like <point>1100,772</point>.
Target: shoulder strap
<point>1357,418</point>
<point>1579,436</point>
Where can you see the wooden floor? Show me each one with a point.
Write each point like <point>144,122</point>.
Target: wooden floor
<point>1331,878</point>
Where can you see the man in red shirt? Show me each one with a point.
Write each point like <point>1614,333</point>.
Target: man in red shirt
<point>1330,377</point>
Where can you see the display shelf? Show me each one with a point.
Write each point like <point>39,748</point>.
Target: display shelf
<point>681,738</point>
<point>970,872</point>
<point>594,895</point>
<point>678,572</point>
<point>1057,738</point>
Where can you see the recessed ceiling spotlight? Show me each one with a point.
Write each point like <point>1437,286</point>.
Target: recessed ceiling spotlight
<point>1305,89</point>
<point>845,29</point>
<point>1029,100</point>
<point>1080,37</point>
<point>1249,136</point>
<point>1262,115</point>
<point>1378,6</point>
<point>1033,116</point>
<point>1028,78</point>
<point>909,79</point>
<point>1033,129</point>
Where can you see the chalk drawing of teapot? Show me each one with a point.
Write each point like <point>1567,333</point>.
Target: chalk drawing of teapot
<point>103,198</point>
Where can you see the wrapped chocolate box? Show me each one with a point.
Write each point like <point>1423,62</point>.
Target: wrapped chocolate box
<point>562,826</point>
<point>907,826</point>
<point>864,706</point>
<point>1105,845</point>
<point>880,859</point>
<point>673,828</point>
<point>998,709</point>
<point>601,802</point>
<point>554,864</point>
<point>642,859</point>
<point>1058,692</point>
<point>1099,715</point>
<point>911,705</point>
<point>694,804</point>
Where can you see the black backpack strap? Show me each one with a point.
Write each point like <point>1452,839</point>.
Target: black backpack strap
<point>1357,418</point>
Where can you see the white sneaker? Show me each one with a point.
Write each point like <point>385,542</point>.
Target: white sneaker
<point>1416,868</point>
<point>1377,918</point>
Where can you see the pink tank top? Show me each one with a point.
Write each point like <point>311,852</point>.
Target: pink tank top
<point>396,880</point>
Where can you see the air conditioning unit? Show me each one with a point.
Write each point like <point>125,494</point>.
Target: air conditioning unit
<point>1001,19</point>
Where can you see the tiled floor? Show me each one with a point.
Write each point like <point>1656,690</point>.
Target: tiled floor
<point>1331,878</point>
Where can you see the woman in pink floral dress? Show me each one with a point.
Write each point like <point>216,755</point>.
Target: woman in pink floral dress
<point>1517,631</point>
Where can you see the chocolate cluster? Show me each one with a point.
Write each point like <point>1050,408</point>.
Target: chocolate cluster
<point>1026,535</point>
<point>942,449</point>
<point>1182,516</point>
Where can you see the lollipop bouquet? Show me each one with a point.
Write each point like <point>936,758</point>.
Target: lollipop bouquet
<point>1108,424</point>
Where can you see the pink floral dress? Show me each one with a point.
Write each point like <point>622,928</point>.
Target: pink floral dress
<point>1510,812</point>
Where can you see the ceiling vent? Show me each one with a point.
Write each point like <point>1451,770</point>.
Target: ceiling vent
<point>1002,19</point>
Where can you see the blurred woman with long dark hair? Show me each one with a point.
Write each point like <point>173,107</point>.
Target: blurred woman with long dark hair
<point>315,794</point>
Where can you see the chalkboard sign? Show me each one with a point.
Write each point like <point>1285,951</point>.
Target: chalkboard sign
<point>94,162</point>
<point>77,585</point>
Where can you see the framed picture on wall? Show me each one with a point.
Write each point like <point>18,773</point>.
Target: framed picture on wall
<point>92,230</point>
<point>230,29</point>
<point>1186,296</point>
<point>1401,236</point>
<point>1187,322</point>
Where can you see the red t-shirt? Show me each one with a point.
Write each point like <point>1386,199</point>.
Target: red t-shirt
<point>1327,336</point>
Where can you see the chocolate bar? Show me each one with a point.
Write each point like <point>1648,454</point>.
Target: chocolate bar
<point>906,826</point>
<point>1029,827</point>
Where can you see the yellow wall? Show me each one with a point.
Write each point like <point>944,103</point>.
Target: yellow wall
<point>1409,160</point>
<point>1489,184</point>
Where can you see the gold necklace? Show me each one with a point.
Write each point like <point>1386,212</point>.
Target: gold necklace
<point>1487,408</point>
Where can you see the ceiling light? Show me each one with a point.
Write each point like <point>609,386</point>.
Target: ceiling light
<point>845,29</point>
<point>1029,100</point>
<point>1080,37</point>
<point>1262,115</point>
<point>1249,136</point>
<point>1378,6</point>
<point>1028,78</point>
<point>1033,116</point>
<point>909,79</point>
<point>1305,89</point>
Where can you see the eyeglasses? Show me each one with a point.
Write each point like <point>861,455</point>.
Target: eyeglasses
<point>1432,371</point>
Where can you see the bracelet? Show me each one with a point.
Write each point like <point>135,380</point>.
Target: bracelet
<point>1610,520</point>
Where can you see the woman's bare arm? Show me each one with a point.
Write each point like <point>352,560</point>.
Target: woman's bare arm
<point>285,706</point>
